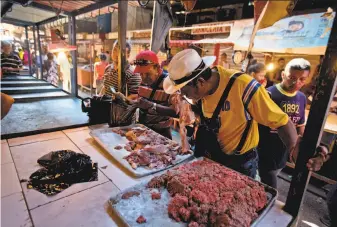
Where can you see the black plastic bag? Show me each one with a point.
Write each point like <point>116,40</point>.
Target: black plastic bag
<point>98,108</point>
<point>121,113</point>
<point>61,170</point>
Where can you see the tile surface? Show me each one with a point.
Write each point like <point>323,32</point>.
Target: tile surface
<point>35,138</point>
<point>6,156</point>
<point>86,209</point>
<point>35,198</point>
<point>120,176</point>
<point>3,141</point>
<point>81,138</point>
<point>9,180</point>
<point>75,129</point>
<point>25,156</point>
<point>14,212</point>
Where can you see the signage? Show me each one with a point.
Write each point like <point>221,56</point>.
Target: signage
<point>211,28</point>
<point>142,35</point>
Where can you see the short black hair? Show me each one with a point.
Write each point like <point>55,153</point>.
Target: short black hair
<point>256,68</point>
<point>280,59</point>
<point>204,75</point>
<point>127,45</point>
<point>102,57</point>
<point>224,54</point>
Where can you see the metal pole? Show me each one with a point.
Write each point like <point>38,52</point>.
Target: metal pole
<point>40,51</point>
<point>28,49</point>
<point>315,125</point>
<point>72,38</point>
<point>92,62</point>
<point>122,19</point>
<point>35,49</point>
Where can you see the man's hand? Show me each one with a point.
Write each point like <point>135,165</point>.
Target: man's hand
<point>315,164</point>
<point>144,104</point>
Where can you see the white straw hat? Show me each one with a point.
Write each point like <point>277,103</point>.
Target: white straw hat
<point>184,67</point>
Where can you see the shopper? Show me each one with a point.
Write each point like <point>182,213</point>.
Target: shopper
<point>10,63</point>
<point>258,72</point>
<point>131,80</point>
<point>99,69</point>
<point>273,153</point>
<point>231,104</point>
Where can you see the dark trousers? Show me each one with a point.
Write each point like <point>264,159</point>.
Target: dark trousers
<point>332,205</point>
<point>269,177</point>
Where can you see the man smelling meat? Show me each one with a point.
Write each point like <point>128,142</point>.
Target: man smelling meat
<point>231,104</point>
<point>155,108</point>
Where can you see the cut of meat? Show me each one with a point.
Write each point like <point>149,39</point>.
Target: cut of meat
<point>148,149</point>
<point>141,219</point>
<point>128,195</point>
<point>204,193</point>
<point>118,147</point>
<point>155,196</point>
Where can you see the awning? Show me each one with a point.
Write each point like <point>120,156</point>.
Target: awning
<point>213,41</point>
<point>303,34</point>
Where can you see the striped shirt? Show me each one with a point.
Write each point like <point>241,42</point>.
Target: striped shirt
<point>132,80</point>
<point>10,61</point>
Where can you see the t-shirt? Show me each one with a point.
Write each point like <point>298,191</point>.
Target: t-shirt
<point>132,80</point>
<point>10,61</point>
<point>272,152</point>
<point>247,99</point>
<point>100,69</point>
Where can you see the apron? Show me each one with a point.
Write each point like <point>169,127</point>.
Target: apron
<point>207,143</point>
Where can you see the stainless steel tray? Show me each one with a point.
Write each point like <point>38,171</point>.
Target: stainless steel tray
<point>109,140</point>
<point>155,211</point>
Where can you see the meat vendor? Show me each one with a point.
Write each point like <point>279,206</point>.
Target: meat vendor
<point>230,104</point>
<point>154,104</point>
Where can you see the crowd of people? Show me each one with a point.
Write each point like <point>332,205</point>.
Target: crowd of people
<point>246,122</point>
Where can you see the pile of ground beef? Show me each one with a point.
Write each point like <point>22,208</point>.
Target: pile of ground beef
<point>205,193</point>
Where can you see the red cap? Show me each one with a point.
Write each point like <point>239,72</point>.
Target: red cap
<point>148,56</point>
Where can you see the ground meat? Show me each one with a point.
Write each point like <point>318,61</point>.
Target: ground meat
<point>128,195</point>
<point>155,196</point>
<point>205,193</point>
<point>141,219</point>
<point>118,147</point>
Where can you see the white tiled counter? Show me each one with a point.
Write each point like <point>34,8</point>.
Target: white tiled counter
<point>83,204</point>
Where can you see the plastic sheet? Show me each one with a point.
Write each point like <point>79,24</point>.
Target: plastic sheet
<point>60,170</point>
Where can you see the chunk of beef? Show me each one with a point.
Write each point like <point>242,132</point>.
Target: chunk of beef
<point>141,220</point>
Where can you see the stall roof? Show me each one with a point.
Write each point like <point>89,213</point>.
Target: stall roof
<point>41,12</point>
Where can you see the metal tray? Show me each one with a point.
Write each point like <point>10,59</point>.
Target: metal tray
<point>155,211</point>
<point>109,140</point>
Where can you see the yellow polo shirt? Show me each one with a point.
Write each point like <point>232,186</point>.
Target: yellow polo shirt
<point>245,91</point>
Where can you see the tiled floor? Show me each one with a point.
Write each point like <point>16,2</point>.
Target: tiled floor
<point>83,204</point>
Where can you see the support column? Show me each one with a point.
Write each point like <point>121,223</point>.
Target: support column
<point>28,47</point>
<point>315,125</point>
<point>72,41</point>
<point>122,23</point>
<point>40,51</point>
<point>35,49</point>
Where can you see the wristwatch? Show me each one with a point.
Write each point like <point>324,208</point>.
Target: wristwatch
<point>154,107</point>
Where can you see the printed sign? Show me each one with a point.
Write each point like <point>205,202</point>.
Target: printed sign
<point>211,29</point>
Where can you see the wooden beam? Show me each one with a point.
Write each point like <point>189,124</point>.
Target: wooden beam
<point>16,22</point>
<point>99,4</point>
<point>315,125</point>
<point>122,23</point>
<point>72,39</point>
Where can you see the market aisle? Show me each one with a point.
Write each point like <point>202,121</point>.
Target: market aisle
<point>86,202</point>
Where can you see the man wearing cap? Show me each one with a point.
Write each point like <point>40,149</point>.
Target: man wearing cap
<point>132,80</point>
<point>155,110</point>
<point>230,104</point>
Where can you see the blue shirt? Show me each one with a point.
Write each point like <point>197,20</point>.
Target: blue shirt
<point>272,152</point>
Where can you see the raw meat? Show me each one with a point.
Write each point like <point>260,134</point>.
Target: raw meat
<point>118,147</point>
<point>186,117</point>
<point>205,193</point>
<point>155,195</point>
<point>141,219</point>
<point>128,195</point>
<point>148,149</point>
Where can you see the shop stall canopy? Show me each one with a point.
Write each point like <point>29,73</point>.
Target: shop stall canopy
<point>303,34</point>
<point>38,12</point>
